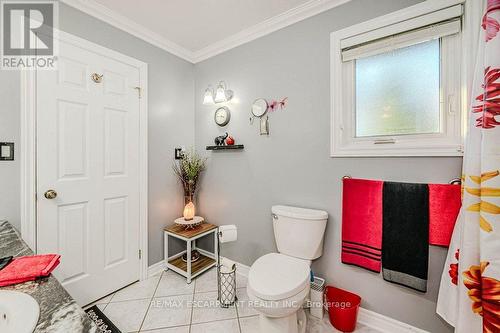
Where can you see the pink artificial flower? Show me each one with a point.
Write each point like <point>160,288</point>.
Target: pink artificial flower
<point>490,25</point>
<point>489,106</point>
<point>273,106</point>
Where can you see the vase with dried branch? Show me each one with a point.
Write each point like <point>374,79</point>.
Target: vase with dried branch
<point>188,170</point>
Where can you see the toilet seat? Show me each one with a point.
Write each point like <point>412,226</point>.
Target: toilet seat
<point>276,276</point>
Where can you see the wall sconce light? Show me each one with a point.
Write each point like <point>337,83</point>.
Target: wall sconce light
<point>208,97</point>
<point>222,94</point>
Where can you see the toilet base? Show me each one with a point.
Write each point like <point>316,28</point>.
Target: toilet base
<point>294,323</point>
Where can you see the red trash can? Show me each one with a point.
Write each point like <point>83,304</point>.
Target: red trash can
<point>342,308</point>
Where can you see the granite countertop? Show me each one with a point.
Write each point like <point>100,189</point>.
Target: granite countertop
<point>59,312</point>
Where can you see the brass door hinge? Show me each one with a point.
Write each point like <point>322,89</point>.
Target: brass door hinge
<point>140,254</point>
<point>139,91</point>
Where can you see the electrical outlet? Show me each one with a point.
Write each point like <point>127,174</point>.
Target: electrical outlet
<point>6,151</point>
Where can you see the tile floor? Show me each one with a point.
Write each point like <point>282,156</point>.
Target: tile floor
<point>164,303</point>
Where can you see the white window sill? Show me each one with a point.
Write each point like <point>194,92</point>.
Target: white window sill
<point>395,151</point>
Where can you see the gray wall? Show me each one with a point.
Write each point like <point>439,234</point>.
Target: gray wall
<point>292,166</point>
<point>171,118</point>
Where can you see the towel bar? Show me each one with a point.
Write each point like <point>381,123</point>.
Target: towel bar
<point>451,182</point>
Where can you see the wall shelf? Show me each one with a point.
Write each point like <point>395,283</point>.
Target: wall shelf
<point>233,147</point>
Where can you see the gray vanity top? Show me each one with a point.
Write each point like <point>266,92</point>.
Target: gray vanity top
<point>58,310</point>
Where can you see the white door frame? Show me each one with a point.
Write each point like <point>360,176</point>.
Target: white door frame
<point>28,148</point>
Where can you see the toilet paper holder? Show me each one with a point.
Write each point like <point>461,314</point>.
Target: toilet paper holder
<point>227,233</point>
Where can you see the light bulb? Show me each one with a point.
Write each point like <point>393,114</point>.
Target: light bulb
<point>208,98</point>
<point>220,94</point>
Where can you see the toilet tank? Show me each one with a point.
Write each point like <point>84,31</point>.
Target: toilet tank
<point>299,231</point>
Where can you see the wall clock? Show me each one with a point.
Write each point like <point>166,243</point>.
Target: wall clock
<point>222,116</point>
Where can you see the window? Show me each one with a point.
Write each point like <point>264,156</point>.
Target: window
<point>397,93</point>
<point>396,85</point>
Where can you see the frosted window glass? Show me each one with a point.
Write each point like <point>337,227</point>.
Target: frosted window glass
<point>397,92</point>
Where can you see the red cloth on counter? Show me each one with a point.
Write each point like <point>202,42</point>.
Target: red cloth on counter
<point>28,268</point>
<point>445,201</point>
<point>362,223</point>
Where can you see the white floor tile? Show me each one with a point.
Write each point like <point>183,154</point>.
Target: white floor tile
<point>139,290</point>
<point>179,329</point>
<point>168,311</point>
<point>244,309</point>
<point>172,310</point>
<point>226,326</point>
<point>206,281</point>
<point>172,283</point>
<point>365,329</point>
<point>105,299</point>
<point>102,302</point>
<point>100,306</point>
<point>315,325</point>
<point>250,325</point>
<point>360,328</point>
<point>206,308</point>
<point>128,315</point>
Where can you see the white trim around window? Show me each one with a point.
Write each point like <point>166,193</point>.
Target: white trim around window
<point>454,62</point>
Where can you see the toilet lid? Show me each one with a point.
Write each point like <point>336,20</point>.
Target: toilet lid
<point>276,276</point>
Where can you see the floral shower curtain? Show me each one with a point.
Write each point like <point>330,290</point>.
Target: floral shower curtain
<point>469,296</point>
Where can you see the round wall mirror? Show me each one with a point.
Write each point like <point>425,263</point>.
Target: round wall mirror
<point>259,107</point>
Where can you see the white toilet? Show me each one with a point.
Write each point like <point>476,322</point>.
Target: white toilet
<point>278,283</point>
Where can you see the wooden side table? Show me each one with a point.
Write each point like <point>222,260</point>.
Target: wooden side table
<point>207,259</point>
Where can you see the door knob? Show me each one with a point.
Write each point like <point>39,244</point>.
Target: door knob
<point>50,194</point>
<point>97,78</point>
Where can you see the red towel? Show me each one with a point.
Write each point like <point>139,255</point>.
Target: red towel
<point>362,223</point>
<point>444,205</point>
<point>28,268</point>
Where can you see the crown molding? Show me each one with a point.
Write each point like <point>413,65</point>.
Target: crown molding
<point>294,15</point>
<point>121,22</point>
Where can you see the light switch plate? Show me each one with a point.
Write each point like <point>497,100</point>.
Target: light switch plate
<point>6,151</point>
<point>179,153</point>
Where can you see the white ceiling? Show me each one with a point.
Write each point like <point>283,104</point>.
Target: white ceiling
<point>196,30</point>
<point>195,24</point>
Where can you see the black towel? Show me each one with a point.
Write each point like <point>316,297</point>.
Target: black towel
<point>405,234</point>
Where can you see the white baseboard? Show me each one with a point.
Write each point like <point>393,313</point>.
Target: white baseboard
<point>240,268</point>
<point>156,268</point>
<point>385,324</point>
<point>366,317</point>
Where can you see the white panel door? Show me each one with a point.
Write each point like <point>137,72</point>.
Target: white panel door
<point>88,153</point>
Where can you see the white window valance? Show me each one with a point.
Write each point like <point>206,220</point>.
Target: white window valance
<point>419,29</point>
